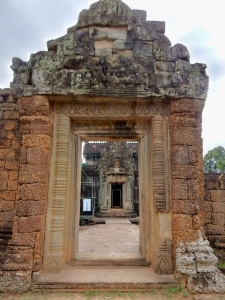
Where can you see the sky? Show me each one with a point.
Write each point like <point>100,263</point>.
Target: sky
<point>27,25</point>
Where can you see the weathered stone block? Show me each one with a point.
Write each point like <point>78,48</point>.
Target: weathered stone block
<point>33,174</point>
<point>179,155</point>
<point>12,165</point>
<point>193,188</point>
<point>183,106</point>
<point>215,229</point>
<point>40,126</point>
<point>36,105</point>
<point>165,66</point>
<point>188,136</point>
<point>115,33</point>
<point>11,115</point>
<point>213,184</point>
<point>183,171</point>
<point>7,216</point>
<point>31,224</point>
<point>103,52</point>
<point>186,235</point>
<point>142,49</point>
<point>218,207</point>
<point>38,252</point>
<point>98,33</point>
<point>23,239</point>
<point>14,281</point>
<point>180,52</point>
<point>8,195</point>
<point>30,208</point>
<point>190,207</point>
<point>218,219</point>
<point>6,205</point>
<point>11,125</point>
<point>12,185</point>
<point>8,106</point>
<point>182,120</point>
<point>122,45</point>
<point>21,261</point>
<point>181,222</point>
<point>38,156</point>
<point>3,184</point>
<point>13,175</point>
<point>34,191</point>
<point>37,140</point>
<point>179,189</point>
<point>6,225</point>
<point>208,206</point>
<point>3,175</point>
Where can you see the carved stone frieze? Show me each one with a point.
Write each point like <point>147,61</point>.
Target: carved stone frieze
<point>112,109</point>
<point>161,200</point>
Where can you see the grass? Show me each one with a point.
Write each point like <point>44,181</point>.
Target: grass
<point>221,264</point>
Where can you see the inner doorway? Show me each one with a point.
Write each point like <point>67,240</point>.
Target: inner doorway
<point>117,195</point>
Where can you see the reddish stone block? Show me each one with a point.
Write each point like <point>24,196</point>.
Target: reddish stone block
<point>183,171</point>
<point>13,175</point>
<point>218,219</point>
<point>8,106</point>
<point>185,207</point>
<point>193,187</point>
<point>7,216</point>
<point>23,239</point>
<point>3,175</point>
<point>16,142</point>
<point>182,120</point>
<point>190,136</point>
<point>179,155</point>
<point>187,235</point>
<point>12,165</point>
<point>38,252</point>
<point>6,225</point>
<point>38,156</point>
<point>41,126</point>
<point>36,105</point>
<point>6,205</point>
<point>218,207</point>
<point>8,195</point>
<point>39,140</point>
<point>2,165</point>
<point>31,224</point>
<point>208,206</point>
<point>213,184</point>
<point>11,124</point>
<point>179,189</point>
<point>193,154</point>
<point>183,106</point>
<point>11,115</point>
<point>19,261</point>
<point>34,191</point>
<point>181,222</point>
<point>3,185</point>
<point>29,208</point>
<point>215,229</point>
<point>23,155</point>
<point>33,174</point>
<point>12,185</point>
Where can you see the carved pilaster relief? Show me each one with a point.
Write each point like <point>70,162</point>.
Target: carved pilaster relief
<point>161,200</point>
<point>55,251</point>
<point>163,263</point>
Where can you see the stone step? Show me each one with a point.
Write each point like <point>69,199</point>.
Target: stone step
<point>110,278</point>
<point>116,215</point>
<point>109,259</point>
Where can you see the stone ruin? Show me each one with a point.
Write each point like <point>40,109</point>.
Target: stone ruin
<point>114,76</point>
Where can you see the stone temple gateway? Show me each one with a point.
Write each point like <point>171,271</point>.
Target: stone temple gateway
<point>113,77</point>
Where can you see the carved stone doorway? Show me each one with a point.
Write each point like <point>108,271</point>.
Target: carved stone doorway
<point>144,122</point>
<point>117,195</point>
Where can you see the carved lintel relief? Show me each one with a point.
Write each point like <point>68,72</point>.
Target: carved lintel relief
<point>55,250</point>
<point>163,263</point>
<point>161,199</point>
<point>112,109</point>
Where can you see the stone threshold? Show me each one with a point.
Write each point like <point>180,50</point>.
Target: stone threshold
<point>109,259</point>
<point>102,278</point>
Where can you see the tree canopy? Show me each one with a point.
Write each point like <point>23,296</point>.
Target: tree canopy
<point>214,160</point>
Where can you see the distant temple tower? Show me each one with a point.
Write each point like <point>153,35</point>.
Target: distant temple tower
<point>114,169</point>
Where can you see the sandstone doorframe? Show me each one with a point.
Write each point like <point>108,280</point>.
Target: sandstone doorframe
<point>150,130</point>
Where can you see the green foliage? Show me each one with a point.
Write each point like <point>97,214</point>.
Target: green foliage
<point>214,160</point>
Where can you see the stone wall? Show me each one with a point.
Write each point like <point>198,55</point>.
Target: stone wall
<point>215,209</point>
<point>25,169</point>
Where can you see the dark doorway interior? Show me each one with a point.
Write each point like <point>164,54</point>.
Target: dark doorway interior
<point>116,195</point>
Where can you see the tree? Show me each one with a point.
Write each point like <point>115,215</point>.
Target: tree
<point>214,160</point>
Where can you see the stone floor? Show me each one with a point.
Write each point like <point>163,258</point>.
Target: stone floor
<point>116,236</point>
